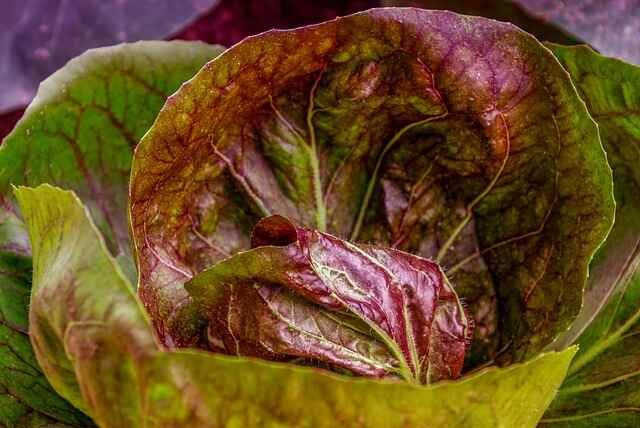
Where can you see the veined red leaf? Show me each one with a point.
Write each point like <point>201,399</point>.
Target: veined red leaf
<point>304,293</point>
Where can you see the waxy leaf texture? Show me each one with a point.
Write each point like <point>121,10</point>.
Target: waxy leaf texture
<point>453,138</point>
<point>96,345</point>
<point>306,294</point>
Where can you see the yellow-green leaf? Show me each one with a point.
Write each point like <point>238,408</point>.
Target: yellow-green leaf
<point>95,345</point>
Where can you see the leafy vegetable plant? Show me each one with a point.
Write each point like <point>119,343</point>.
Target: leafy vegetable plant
<point>383,220</point>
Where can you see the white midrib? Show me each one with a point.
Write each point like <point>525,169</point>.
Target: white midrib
<point>405,368</point>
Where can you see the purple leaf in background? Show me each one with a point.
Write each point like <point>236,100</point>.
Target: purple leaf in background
<point>610,26</point>
<point>233,20</point>
<point>40,36</point>
<point>501,10</point>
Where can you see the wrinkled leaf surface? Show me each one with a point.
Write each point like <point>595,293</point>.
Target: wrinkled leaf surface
<point>453,138</point>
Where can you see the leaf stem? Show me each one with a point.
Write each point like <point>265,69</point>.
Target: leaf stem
<point>590,415</point>
<point>262,208</point>
<point>584,359</point>
<point>459,265</point>
<point>604,384</point>
<point>413,351</point>
<point>404,369</point>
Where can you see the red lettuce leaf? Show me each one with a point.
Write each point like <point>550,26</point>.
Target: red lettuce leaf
<point>454,138</point>
<point>304,293</point>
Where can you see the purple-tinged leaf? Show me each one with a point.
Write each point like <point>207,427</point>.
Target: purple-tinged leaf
<point>451,328</point>
<point>458,139</point>
<point>304,293</point>
<point>502,10</point>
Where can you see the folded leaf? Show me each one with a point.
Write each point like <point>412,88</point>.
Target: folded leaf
<point>293,295</point>
<point>451,329</point>
<point>86,327</point>
<point>109,361</point>
<point>271,323</point>
<point>454,138</point>
<point>603,388</point>
<point>26,398</point>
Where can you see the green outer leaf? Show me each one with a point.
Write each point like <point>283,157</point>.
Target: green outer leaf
<point>85,325</point>
<point>606,382</point>
<point>234,392</point>
<point>603,388</point>
<point>520,174</point>
<point>110,365</point>
<point>609,88</point>
<point>80,130</point>
<point>26,398</point>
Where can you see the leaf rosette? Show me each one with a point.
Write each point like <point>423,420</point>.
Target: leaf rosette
<point>442,165</point>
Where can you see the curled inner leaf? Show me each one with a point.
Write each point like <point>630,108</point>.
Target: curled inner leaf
<point>304,294</point>
<point>457,139</point>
